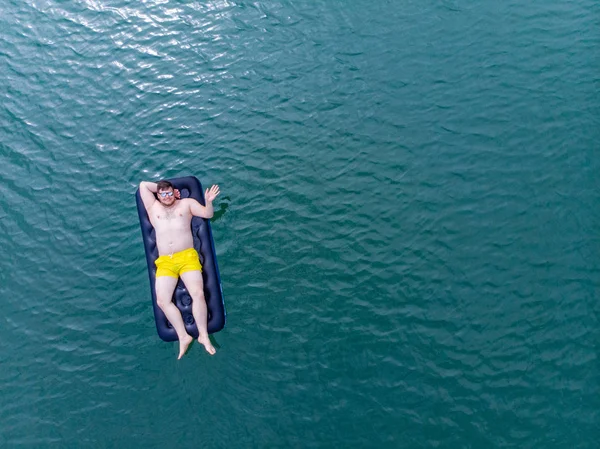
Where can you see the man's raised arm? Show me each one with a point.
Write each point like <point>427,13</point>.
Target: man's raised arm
<point>198,210</point>
<point>207,211</point>
<point>147,191</point>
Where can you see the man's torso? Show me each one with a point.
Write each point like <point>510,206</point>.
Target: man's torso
<point>172,226</point>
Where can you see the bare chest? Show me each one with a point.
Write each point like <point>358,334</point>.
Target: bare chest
<point>171,217</point>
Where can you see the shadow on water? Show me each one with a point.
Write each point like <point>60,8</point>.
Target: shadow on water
<point>222,208</point>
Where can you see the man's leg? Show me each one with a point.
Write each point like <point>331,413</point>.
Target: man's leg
<point>165,286</point>
<point>195,287</point>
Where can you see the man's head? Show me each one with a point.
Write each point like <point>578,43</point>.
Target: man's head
<point>165,193</point>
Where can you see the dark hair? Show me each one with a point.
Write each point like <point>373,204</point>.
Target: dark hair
<point>163,185</point>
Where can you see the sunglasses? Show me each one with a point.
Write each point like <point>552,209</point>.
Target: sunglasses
<point>165,194</point>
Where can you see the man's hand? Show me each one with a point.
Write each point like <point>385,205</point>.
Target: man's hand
<point>198,210</point>
<point>211,194</point>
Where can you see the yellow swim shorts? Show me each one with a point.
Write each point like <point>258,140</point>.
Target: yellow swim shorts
<point>175,264</point>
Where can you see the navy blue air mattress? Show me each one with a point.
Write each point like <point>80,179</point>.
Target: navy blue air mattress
<point>189,187</point>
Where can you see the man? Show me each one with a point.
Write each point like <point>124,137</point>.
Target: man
<point>171,218</point>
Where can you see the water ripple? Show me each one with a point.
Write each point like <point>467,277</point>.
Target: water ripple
<point>406,236</point>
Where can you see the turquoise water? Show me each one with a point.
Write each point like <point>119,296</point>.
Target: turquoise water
<point>407,231</point>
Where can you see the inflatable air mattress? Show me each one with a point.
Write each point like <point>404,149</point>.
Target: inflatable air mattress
<point>189,187</point>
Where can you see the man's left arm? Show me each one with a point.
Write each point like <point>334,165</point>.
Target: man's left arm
<point>198,210</point>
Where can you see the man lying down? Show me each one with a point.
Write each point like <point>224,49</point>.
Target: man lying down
<point>171,217</point>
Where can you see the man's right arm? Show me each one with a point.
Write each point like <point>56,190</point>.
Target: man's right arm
<point>147,191</point>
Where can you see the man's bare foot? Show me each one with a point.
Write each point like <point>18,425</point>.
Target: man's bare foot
<point>205,341</point>
<point>183,345</point>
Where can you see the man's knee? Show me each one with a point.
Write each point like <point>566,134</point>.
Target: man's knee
<point>196,293</point>
<point>163,301</point>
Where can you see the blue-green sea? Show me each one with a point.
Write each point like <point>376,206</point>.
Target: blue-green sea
<point>408,230</point>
